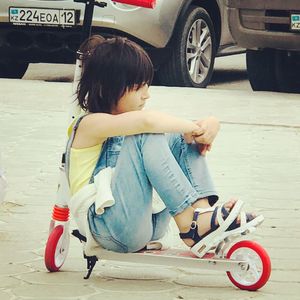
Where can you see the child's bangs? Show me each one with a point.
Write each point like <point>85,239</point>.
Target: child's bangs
<point>140,71</point>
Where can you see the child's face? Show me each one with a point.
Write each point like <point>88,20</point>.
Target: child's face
<point>133,100</point>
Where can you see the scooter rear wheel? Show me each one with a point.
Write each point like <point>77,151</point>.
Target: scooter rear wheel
<point>258,273</point>
<point>56,249</point>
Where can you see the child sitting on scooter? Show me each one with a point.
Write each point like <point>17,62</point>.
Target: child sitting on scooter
<point>147,150</point>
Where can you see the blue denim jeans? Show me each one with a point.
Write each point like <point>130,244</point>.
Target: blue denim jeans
<point>146,161</point>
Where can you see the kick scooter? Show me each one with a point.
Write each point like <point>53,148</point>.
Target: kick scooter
<point>246,263</point>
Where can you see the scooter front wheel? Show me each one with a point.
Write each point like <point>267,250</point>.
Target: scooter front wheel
<point>259,270</point>
<point>56,249</point>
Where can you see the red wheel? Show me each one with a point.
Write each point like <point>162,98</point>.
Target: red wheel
<point>56,249</point>
<point>258,273</point>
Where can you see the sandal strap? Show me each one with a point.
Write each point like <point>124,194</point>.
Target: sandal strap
<point>222,214</point>
<point>245,218</point>
<point>193,232</point>
<point>204,210</point>
<point>213,224</point>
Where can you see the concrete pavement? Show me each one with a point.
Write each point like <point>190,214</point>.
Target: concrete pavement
<point>255,158</point>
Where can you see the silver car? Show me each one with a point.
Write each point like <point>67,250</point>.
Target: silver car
<point>182,37</point>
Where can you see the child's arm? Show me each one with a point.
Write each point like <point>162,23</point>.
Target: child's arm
<point>98,126</point>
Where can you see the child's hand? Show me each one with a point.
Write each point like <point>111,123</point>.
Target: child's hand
<point>203,148</point>
<point>210,127</point>
<point>189,137</point>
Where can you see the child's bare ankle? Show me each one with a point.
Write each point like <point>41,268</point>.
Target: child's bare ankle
<point>201,203</point>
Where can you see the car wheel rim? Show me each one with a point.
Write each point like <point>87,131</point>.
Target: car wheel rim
<point>199,51</point>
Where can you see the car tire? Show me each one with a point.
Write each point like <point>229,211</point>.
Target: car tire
<point>261,69</point>
<point>14,70</point>
<point>273,70</point>
<point>192,56</point>
<point>287,67</point>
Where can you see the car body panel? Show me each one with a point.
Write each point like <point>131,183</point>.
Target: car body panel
<point>151,28</point>
<point>118,16</point>
<point>156,22</point>
<point>259,24</point>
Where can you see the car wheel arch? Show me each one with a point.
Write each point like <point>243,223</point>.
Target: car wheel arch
<point>212,8</point>
<point>182,68</point>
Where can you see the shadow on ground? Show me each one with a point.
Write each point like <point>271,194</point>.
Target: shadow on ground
<point>228,76</point>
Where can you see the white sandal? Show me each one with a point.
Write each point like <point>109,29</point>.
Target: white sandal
<point>227,226</point>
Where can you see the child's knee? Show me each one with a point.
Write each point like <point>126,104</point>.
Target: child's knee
<point>145,138</point>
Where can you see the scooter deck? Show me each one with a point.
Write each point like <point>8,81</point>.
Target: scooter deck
<point>175,258</point>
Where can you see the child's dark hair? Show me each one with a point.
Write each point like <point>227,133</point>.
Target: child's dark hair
<point>115,66</point>
<point>88,46</point>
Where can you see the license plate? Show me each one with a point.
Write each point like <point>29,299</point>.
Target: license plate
<point>295,22</point>
<point>42,16</point>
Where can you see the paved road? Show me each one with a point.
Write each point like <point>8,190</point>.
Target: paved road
<point>255,157</point>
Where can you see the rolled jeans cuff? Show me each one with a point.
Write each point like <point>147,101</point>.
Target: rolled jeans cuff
<point>185,204</point>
